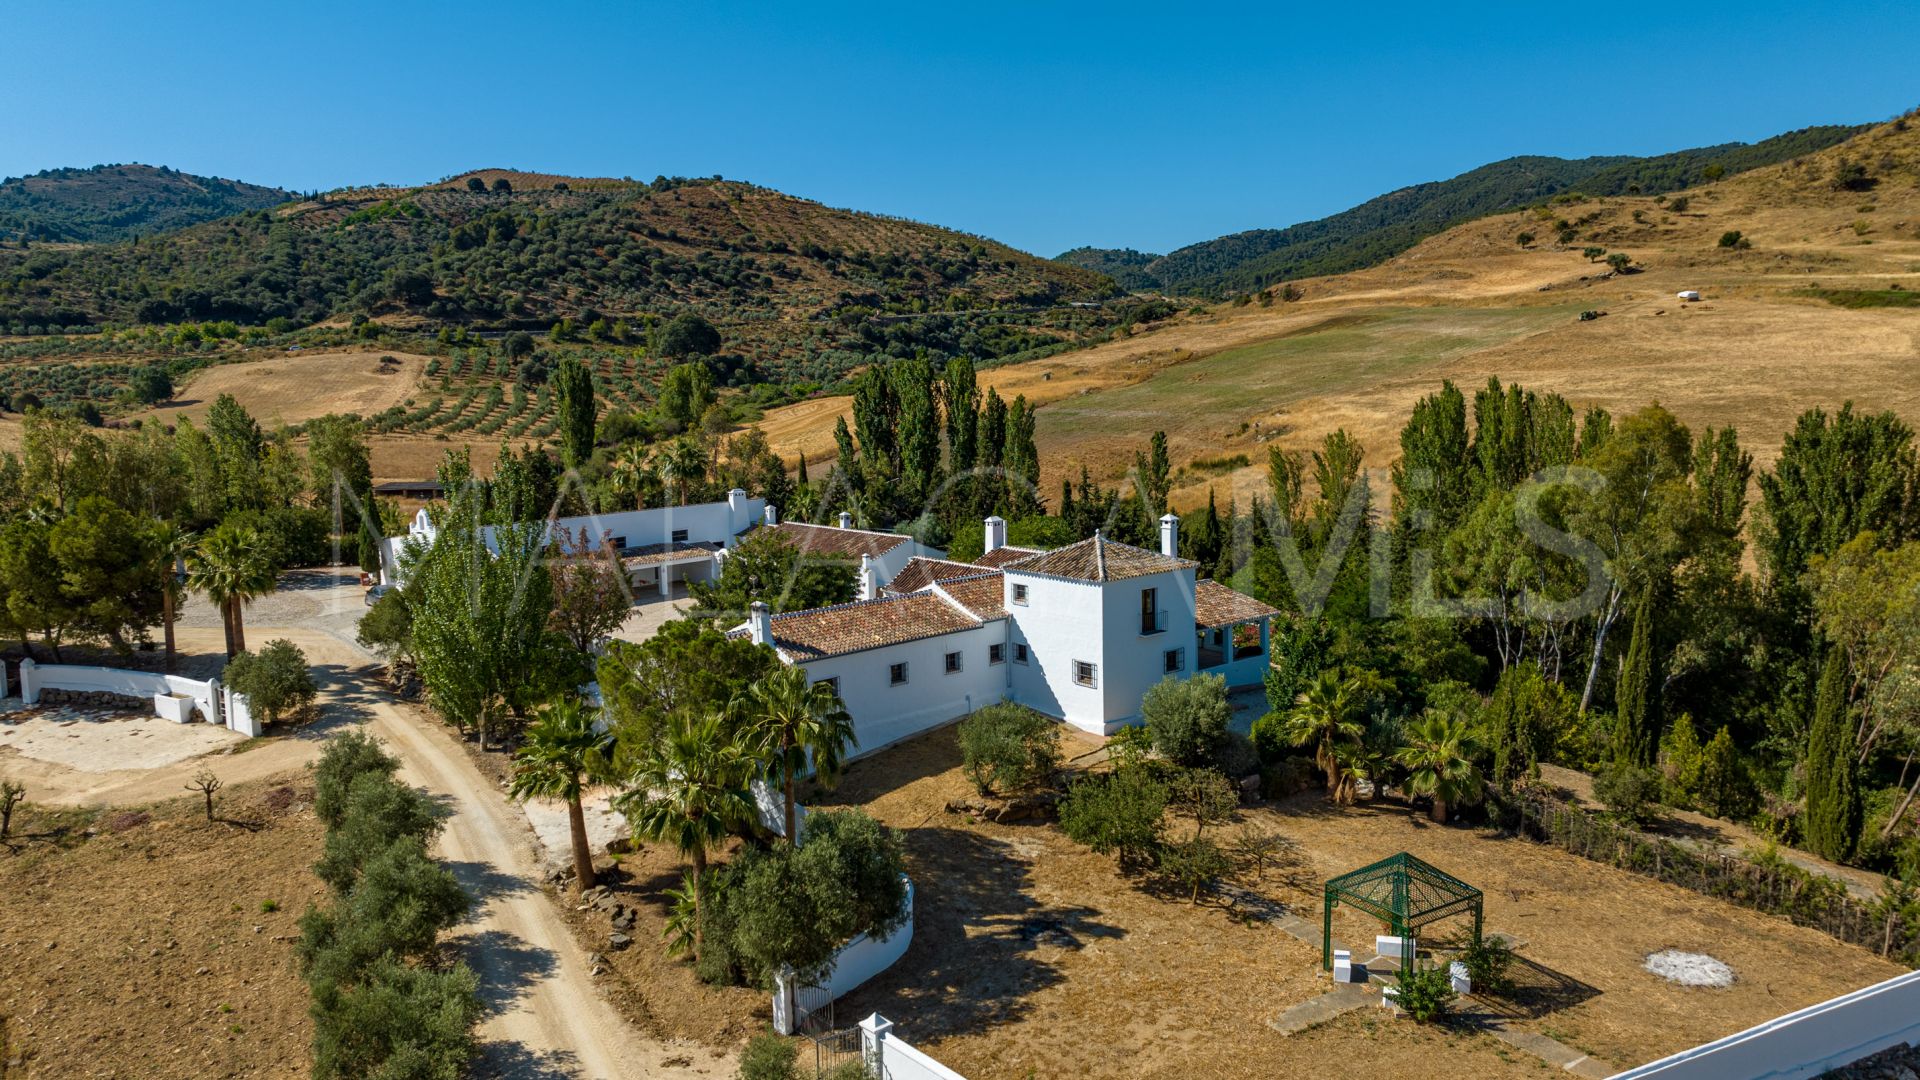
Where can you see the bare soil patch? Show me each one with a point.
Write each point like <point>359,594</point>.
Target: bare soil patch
<point>287,388</point>
<point>136,944</point>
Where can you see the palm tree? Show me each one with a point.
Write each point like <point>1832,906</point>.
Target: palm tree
<point>231,566</point>
<point>1326,714</point>
<point>682,464</point>
<point>172,544</point>
<point>797,723</point>
<point>564,754</point>
<point>633,474</point>
<point>1439,754</point>
<point>689,790</point>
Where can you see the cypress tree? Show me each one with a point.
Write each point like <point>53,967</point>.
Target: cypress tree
<point>1833,798</point>
<point>802,478</point>
<point>1636,724</point>
<point>577,411</point>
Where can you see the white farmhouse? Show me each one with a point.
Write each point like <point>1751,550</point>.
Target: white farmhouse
<point>657,547</point>
<point>1079,633</point>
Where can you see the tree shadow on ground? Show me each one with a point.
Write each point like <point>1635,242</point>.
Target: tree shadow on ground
<point>506,965</point>
<point>486,881</point>
<point>1537,991</point>
<point>979,939</point>
<point>512,1061</point>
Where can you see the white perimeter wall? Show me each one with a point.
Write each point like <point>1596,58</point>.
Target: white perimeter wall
<point>1806,1043</point>
<point>890,1057</point>
<point>214,704</point>
<point>884,714</point>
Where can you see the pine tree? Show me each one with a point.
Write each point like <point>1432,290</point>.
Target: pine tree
<point>1636,723</point>
<point>1833,797</point>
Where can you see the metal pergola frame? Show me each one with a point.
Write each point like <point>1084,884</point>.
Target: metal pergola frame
<point>1404,892</point>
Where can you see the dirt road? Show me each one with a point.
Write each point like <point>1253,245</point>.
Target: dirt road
<point>545,1017</point>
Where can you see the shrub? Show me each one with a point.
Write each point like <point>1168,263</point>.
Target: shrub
<point>345,758</point>
<point>794,907</point>
<point>1487,961</point>
<point>1236,756</point>
<point>1524,239</point>
<point>1628,791</point>
<point>1732,239</point>
<point>1117,814</point>
<point>379,811</point>
<point>768,1057</point>
<point>1008,747</point>
<point>399,1021</point>
<point>1187,717</point>
<point>1203,795</point>
<point>275,680</point>
<point>1426,995</point>
<point>1194,865</point>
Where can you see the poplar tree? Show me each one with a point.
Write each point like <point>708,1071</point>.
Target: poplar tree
<point>1833,812</point>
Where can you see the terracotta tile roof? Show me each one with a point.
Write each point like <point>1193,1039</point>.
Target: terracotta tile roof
<point>1216,605</point>
<point>648,554</point>
<point>1001,556</point>
<point>1099,559</point>
<point>983,594</point>
<point>864,624</point>
<point>827,541</point>
<point>921,572</point>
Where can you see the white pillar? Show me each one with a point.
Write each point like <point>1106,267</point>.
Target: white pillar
<point>29,682</point>
<point>846,520</point>
<point>770,516</point>
<point>1170,536</point>
<point>3,678</point>
<point>995,533</point>
<point>873,1043</point>
<point>760,623</point>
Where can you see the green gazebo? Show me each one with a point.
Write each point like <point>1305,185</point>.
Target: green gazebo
<point>1403,892</point>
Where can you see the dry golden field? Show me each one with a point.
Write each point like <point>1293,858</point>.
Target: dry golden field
<point>1358,349</point>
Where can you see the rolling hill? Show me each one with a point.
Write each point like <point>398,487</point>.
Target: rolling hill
<point>1390,224</point>
<point>119,202</point>
<point>790,282</point>
<point>1808,305</point>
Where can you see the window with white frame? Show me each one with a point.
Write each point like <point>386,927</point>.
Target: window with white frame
<point>897,674</point>
<point>1020,594</point>
<point>1176,659</point>
<point>1083,673</point>
<point>996,654</point>
<point>953,662</point>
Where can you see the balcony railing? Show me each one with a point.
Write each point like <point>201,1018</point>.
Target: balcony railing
<point>1153,622</point>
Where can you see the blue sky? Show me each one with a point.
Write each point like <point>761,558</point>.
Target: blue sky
<point>1148,126</point>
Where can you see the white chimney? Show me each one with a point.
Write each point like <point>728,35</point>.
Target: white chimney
<point>869,577</point>
<point>996,533</point>
<point>738,513</point>
<point>770,516</point>
<point>1170,536</point>
<point>846,520</point>
<point>760,623</point>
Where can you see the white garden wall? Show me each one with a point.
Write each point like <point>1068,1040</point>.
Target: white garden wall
<point>1806,1043</point>
<point>890,1057</point>
<point>856,962</point>
<point>211,702</point>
